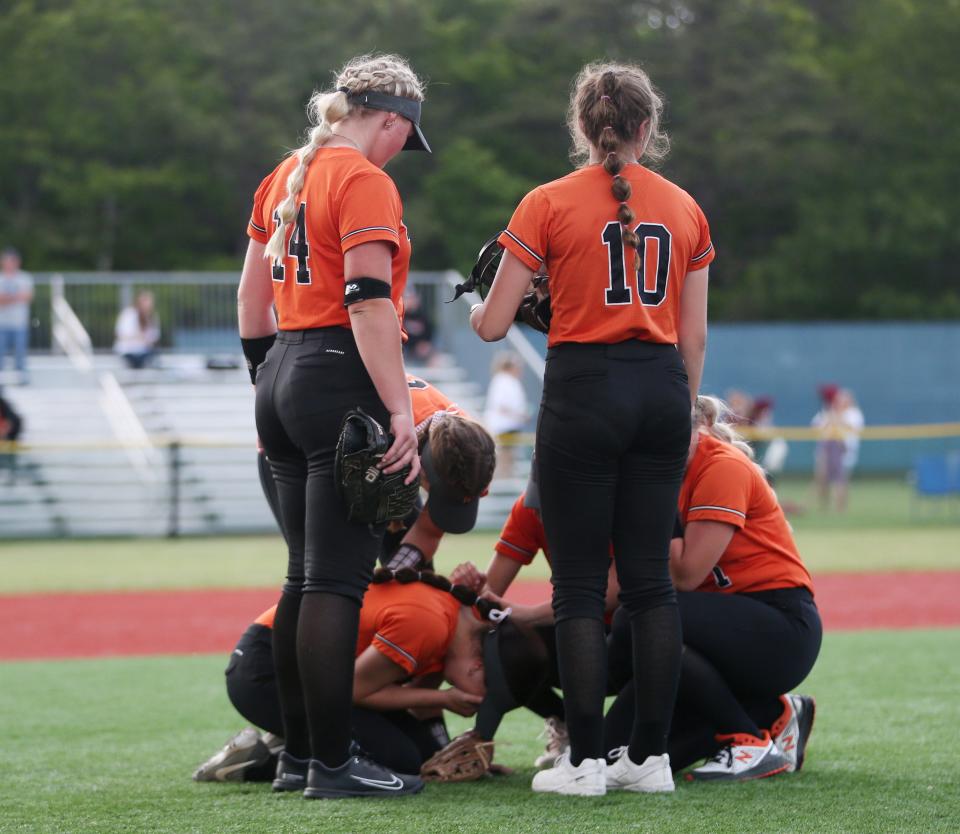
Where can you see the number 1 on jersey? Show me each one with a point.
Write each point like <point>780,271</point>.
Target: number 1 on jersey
<point>618,293</point>
<point>298,248</point>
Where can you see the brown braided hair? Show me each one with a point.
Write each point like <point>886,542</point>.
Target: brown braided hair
<point>463,452</point>
<point>610,105</point>
<point>463,594</point>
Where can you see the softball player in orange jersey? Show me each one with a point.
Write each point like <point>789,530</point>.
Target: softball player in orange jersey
<point>330,252</point>
<point>627,253</point>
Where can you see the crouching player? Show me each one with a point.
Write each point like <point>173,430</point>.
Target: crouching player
<point>521,538</point>
<point>415,631</point>
<point>751,630</point>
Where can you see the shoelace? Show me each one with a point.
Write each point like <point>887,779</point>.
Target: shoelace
<point>555,733</point>
<point>617,753</point>
<point>723,756</point>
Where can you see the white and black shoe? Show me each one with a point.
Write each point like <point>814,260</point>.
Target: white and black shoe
<point>558,740</point>
<point>291,773</point>
<point>589,778</point>
<point>791,731</point>
<point>359,776</point>
<point>653,776</point>
<point>246,750</point>
<point>741,758</point>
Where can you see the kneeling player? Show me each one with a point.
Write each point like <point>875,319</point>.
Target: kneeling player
<point>751,630</point>
<point>415,630</point>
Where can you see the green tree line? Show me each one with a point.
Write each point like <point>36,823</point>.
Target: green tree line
<point>821,137</point>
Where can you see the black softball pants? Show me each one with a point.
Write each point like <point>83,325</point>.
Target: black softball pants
<point>612,441</point>
<point>395,739</point>
<point>741,652</point>
<point>308,381</point>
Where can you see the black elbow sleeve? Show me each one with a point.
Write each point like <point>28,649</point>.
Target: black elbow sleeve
<point>363,288</point>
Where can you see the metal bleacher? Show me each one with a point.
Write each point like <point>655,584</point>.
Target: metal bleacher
<point>164,451</point>
<point>171,449</point>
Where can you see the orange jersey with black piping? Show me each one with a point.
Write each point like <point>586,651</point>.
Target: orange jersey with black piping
<point>596,292</point>
<point>723,484</point>
<point>428,401</point>
<point>410,624</point>
<point>522,535</point>
<point>345,201</point>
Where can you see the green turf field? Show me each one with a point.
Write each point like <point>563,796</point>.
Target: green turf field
<point>108,746</point>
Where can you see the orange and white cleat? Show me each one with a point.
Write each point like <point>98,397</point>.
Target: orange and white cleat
<point>791,731</point>
<point>742,757</point>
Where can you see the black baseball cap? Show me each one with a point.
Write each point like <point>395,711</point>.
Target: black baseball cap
<point>451,509</point>
<point>406,107</point>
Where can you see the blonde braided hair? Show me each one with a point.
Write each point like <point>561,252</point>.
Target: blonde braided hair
<point>388,74</point>
<point>713,415</point>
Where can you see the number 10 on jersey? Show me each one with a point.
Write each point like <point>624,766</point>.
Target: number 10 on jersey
<point>654,239</point>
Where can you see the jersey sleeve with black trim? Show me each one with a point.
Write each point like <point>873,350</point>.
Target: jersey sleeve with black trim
<point>527,234</point>
<point>413,637</point>
<point>722,493</point>
<point>522,535</point>
<point>369,211</point>
<point>260,227</point>
<point>704,253</point>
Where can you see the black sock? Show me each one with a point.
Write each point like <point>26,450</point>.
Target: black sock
<point>582,656</point>
<point>656,635</point>
<point>547,704</point>
<point>702,688</point>
<point>326,643</point>
<point>289,688</point>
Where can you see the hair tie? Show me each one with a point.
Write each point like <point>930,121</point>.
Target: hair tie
<point>497,615</point>
<point>605,98</point>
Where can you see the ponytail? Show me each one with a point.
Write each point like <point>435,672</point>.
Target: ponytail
<point>463,594</point>
<point>713,415</point>
<point>324,109</point>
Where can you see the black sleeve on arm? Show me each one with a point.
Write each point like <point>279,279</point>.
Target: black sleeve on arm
<point>363,288</point>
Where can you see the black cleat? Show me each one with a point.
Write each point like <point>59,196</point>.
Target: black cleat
<point>359,776</point>
<point>291,773</point>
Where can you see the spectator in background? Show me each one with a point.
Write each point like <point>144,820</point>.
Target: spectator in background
<point>138,331</point>
<point>840,422</point>
<point>419,347</point>
<point>506,412</point>
<point>16,293</point>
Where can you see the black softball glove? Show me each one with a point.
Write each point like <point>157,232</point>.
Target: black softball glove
<point>369,495</point>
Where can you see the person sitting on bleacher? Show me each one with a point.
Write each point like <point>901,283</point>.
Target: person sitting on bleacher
<point>138,331</point>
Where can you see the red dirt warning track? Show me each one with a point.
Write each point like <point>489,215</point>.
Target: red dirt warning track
<point>34,626</point>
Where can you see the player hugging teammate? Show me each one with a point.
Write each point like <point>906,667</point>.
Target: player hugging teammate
<point>637,505</point>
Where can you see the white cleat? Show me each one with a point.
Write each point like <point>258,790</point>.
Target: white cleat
<point>555,732</point>
<point>653,776</point>
<point>744,757</point>
<point>587,779</point>
<point>791,731</point>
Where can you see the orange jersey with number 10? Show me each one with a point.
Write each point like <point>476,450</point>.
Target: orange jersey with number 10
<point>596,293</point>
<point>345,201</point>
